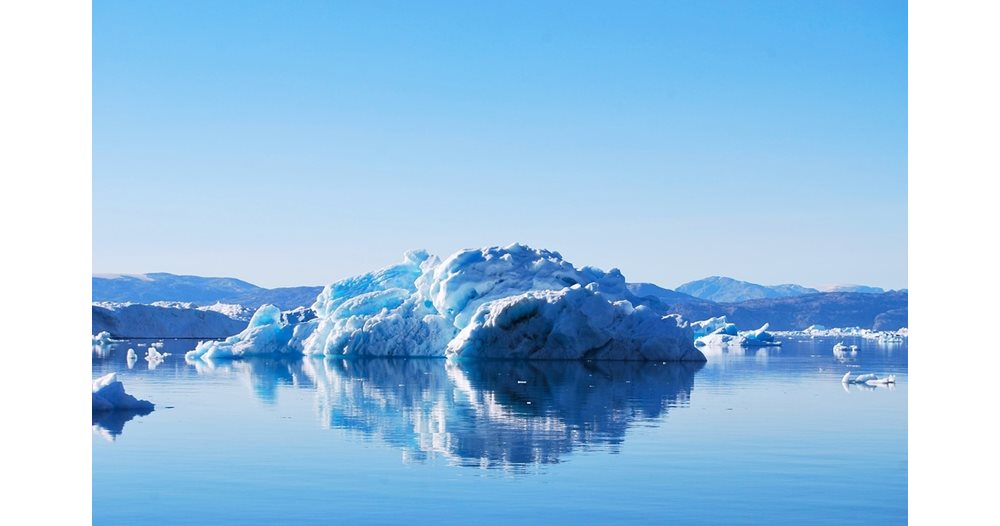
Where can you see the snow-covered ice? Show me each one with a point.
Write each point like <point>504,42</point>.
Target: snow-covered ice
<point>512,301</point>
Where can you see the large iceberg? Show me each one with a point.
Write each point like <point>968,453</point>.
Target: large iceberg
<point>495,302</point>
<point>108,394</point>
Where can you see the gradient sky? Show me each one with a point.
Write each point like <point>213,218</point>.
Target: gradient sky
<point>291,143</point>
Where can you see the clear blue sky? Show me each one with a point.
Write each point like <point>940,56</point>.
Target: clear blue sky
<point>291,143</point>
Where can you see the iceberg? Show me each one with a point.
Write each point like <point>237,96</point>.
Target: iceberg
<point>154,357</point>
<point>759,338</point>
<point>266,333</point>
<point>109,395</point>
<point>726,335</point>
<point>868,379</point>
<point>709,326</point>
<point>494,302</point>
<point>102,343</point>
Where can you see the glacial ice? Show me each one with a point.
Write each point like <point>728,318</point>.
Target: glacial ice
<point>109,395</point>
<point>496,302</point>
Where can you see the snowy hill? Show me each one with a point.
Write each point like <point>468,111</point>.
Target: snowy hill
<point>728,290</point>
<point>864,289</point>
<point>161,286</point>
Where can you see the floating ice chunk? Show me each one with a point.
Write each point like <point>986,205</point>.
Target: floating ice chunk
<point>719,338</point>
<point>109,395</point>
<point>869,379</point>
<point>154,357</point>
<point>102,343</point>
<point>891,379</point>
<point>131,358</point>
<point>759,338</point>
<point>709,326</point>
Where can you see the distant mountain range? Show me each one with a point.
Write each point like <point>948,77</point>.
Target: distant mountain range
<point>161,286</point>
<point>728,290</point>
<point>785,307</point>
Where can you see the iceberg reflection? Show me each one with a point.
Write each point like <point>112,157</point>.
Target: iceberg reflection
<point>489,414</point>
<point>500,414</point>
<point>110,424</point>
<point>262,376</point>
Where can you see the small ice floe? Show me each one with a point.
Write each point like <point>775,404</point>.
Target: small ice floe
<point>891,379</point>
<point>102,343</point>
<point>868,379</point>
<point>841,348</point>
<point>131,358</point>
<point>154,357</point>
<point>844,353</point>
<point>759,338</point>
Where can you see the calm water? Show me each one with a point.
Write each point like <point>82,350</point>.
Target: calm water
<point>767,436</point>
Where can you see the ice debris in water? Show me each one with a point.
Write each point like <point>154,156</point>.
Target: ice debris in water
<point>868,379</point>
<point>109,395</point>
<point>496,302</point>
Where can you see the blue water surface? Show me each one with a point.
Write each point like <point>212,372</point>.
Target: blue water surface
<point>767,436</point>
